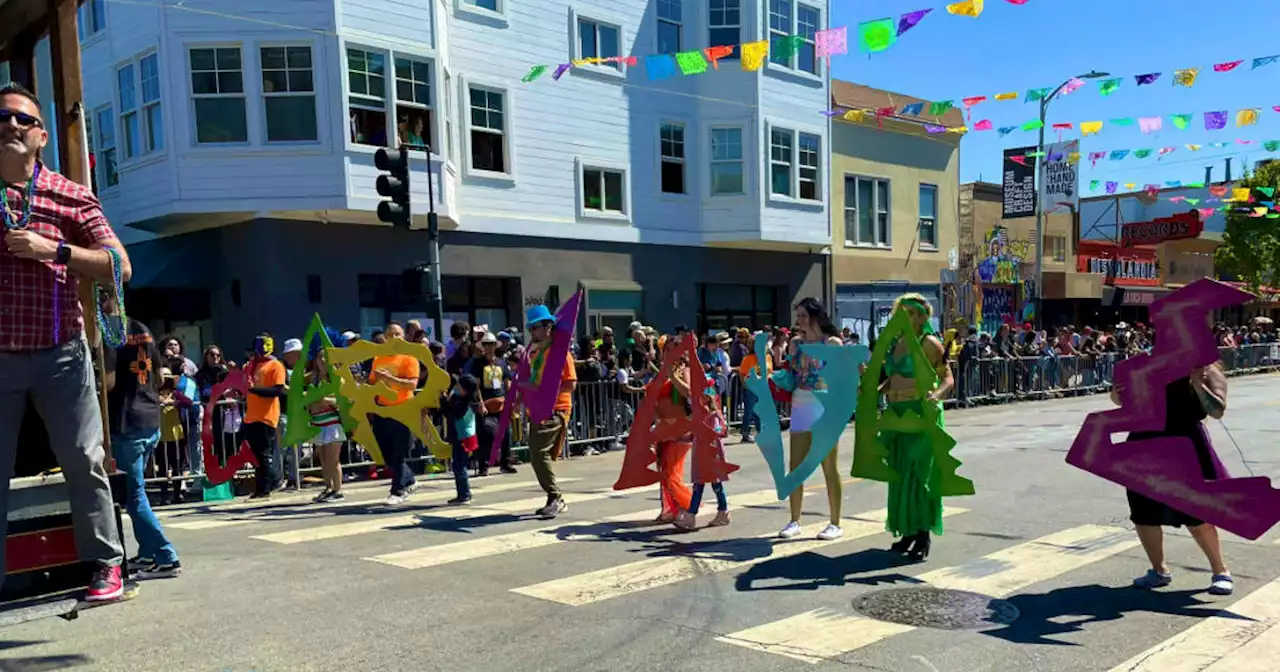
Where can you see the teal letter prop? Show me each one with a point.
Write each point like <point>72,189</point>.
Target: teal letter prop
<point>841,375</point>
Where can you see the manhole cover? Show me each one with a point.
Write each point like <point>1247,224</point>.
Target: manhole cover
<point>935,608</point>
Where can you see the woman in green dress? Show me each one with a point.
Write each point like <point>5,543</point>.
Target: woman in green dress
<point>915,509</point>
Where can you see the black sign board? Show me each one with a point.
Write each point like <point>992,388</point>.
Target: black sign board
<point>1019,183</point>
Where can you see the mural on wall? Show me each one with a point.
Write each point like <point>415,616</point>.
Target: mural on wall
<point>985,288</point>
<point>997,307</point>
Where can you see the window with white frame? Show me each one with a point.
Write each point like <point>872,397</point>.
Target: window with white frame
<point>367,108</point>
<point>487,129</point>
<point>91,17</point>
<point>793,164</point>
<point>928,216</point>
<point>491,5</point>
<point>597,39</point>
<point>671,139</point>
<point>727,174</point>
<point>670,26</point>
<point>217,87</point>
<point>1056,248</point>
<point>807,161</point>
<point>787,18</point>
<point>724,25</point>
<point>781,156</point>
<point>604,190</point>
<point>105,123</point>
<point>449,140</point>
<point>127,99</point>
<point>413,101</point>
<point>152,115</point>
<point>866,211</point>
<point>289,93</point>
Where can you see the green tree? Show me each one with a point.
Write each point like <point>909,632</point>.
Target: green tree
<point>1250,247</point>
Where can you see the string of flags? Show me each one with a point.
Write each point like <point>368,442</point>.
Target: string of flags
<point>1239,200</point>
<point>1094,157</point>
<point>1214,120</point>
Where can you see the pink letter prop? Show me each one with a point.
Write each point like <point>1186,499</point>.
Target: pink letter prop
<point>1166,469</point>
<point>215,471</point>
<point>539,399</point>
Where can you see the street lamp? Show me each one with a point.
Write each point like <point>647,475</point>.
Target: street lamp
<point>1044,109</point>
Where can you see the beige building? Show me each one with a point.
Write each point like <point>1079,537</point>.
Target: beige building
<point>894,203</point>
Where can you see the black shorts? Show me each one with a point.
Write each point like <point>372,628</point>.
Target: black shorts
<point>1146,511</point>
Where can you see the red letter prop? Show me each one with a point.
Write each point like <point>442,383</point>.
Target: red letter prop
<point>709,464</point>
<point>214,471</point>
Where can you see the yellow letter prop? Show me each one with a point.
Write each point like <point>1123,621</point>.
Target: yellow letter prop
<point>410,413</point>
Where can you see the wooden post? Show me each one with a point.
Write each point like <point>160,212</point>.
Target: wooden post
<point>68,114</point>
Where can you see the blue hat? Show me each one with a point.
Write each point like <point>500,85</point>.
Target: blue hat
<point>538,313</point>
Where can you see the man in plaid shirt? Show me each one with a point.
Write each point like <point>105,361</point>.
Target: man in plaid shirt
<point>55,235</point>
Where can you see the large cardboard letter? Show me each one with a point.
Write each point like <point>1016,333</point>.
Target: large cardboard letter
<point>214,471</point>
<point>709,465</point>
<point>537,392</point>
<point>1167,469</point>
<point>841,374</point>
<point>410,413</point>
<point>870,456</point>
<point>302,395</point>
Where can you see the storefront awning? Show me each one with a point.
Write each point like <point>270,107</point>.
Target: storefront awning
<point>180,262</point>
<point>1131,296</point>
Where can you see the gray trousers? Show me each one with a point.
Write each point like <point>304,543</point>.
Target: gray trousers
<point>60,382</point>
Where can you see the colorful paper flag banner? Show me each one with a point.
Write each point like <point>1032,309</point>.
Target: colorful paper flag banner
<point>1181,121</point>
<point>1186,77</point>
<point>1214,121</point>
<point>1227,67</point>
<point>876,36</point>
<point>1108,86</point>
<point>828,43</point>
<point>1150,125</point>
<point>1149,78</point>
<point>910,19</point>
<point>1246,117</point>
<point>967,8</point>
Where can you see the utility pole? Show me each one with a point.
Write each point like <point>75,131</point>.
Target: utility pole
<point>421,282</point>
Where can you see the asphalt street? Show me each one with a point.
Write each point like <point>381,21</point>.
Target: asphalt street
<point>289,586</point>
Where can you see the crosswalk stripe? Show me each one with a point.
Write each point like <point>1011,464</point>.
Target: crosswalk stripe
<point>411,520</point>
<point>434,556</point>
<point>307,510</point>
<point>654,572</point>
<point>998,574</point>
<point>1244,638</point>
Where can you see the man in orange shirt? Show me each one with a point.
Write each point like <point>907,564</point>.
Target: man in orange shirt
<point>546,439</point>
<point>400,373</point>
<point>262,414</point>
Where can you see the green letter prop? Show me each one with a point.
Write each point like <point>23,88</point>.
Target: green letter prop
<point>301,396</point>
<point>870,456</point>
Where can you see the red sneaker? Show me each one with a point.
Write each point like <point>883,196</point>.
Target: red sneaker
<point>107,585</point>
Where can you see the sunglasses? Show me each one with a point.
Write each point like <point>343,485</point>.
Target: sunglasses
<point>24,120</point>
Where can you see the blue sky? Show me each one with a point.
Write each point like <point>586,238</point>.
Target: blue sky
<point>1045,42</point>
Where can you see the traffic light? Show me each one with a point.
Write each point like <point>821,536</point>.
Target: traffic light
<point>394,185</point>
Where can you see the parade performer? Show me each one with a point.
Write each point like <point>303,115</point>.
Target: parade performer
<point>325,417</point>
<point>1187,402</point>
<point>56,234</point>
<point>547,438</point>
<point>674,406</point>
<point>400,374</point>
<point>813,325</point>
<point>689,519</point>
<point>1167,462</point>
<point>915,379</point>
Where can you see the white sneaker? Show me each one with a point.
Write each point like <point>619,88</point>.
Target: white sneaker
<point>791,530</point>
<point>831,532</point>
<point>394,500</point>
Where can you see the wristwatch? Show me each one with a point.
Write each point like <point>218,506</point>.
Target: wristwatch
<point>64,254</point>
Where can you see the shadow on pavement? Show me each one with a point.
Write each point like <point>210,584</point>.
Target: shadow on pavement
<point>811,571</point>
<point>1095,604</point>
<point>43,663</point>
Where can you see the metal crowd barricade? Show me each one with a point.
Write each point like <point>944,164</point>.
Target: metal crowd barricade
<point>604,411</point>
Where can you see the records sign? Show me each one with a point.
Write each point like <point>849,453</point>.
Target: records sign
<point>1019,184</point>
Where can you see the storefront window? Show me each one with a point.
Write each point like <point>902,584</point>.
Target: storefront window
<point>724,307</point>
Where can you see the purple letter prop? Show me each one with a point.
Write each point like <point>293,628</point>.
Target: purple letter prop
<point>539,397</point>
<point>1166,469</point>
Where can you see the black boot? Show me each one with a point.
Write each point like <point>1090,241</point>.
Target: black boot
<point>902,545</point>
<point>920,547</point>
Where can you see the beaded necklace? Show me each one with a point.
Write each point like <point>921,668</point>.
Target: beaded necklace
<point>112,337</point>
<point>21,224</point>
